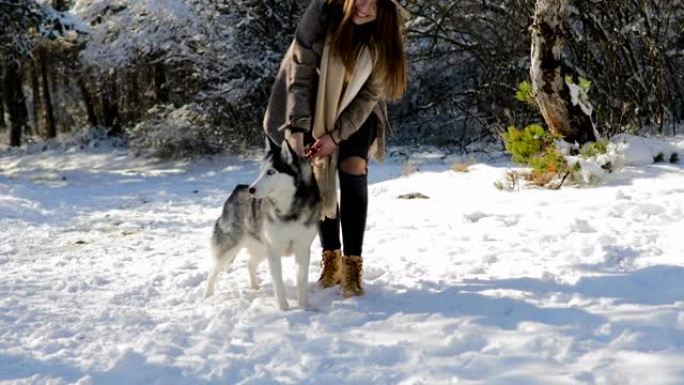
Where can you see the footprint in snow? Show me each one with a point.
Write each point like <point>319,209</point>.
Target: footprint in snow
<point>474,217</point>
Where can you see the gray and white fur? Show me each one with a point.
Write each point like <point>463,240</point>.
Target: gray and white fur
<point>276,215</point>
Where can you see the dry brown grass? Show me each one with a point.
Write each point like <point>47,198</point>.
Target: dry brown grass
<point>511,182</point>
<point>462,167</point>
<point>409,168</point>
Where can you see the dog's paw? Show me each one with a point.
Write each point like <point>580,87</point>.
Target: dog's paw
<point>208,294</point>
<point>284,306</point>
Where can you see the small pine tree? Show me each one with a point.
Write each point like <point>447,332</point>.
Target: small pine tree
<point>594,148</point>
<point>527,143</point>
<point>525,93</point>
<point>534,147</point>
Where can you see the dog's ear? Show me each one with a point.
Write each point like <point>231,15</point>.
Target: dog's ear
<point>271,146</point>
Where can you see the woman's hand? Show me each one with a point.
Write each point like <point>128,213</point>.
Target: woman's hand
<point>322,148</point>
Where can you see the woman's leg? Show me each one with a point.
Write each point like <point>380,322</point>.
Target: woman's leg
<point>353,210</point>
<point>353,203</point>
<point>353,170</point>
<point>351,213</point>
<point>329,232</point>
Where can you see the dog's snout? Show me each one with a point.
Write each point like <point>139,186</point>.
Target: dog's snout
<point>252,190</point>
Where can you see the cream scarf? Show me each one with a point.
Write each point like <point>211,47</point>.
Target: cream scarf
<point>330,102</point>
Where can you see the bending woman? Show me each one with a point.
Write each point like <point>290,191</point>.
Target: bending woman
<point>328,100</point>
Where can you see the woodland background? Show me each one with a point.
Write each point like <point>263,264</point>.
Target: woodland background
<point>180,78</point>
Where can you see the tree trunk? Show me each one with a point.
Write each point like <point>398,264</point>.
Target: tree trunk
<point>134,105</point>
<point>87,99</point>
<point>548,79</point>
<point>59,5</point>
<point>160,88</point>
<point>2,104</point>
<point>16,101</point>
<point>50,126</point>
<point>37,99</point>
<point>110,108</point>
<point>2,114</point>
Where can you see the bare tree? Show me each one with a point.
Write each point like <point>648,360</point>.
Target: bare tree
<point>34,73</point>
<point>467,58</point>
<point>16,18</point>
<point>2,111</point>
<point>13,93</point>
<point>631,51</point>
<point>562,116</point>
<point>50,124</point>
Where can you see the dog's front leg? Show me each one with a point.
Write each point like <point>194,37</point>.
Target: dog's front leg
<point>302,257</point>
<point>275,266</point>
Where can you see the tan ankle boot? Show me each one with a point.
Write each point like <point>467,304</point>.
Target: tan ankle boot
<point>352,269</point>
<point>330,272</point>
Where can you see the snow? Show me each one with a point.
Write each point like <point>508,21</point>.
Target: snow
<point>622,150</point>
<point>103,259</point>
<point>578,96</point>
<point>60,23</point>
<point>122,29</point>
<point>633,150</point>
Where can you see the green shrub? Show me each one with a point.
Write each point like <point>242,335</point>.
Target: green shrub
<point>534,147</point>
<point>527,143</point>
<point>525,93</point>
<point>590,149</point>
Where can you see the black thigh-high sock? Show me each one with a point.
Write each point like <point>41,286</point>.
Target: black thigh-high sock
<point>353,211</point>
<point>329,232</point>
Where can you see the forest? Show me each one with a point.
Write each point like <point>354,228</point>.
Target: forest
<point>181,78</point>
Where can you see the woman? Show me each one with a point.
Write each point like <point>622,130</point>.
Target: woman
<point>346,59</point>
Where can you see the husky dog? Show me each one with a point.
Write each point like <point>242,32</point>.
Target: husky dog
<point>276,215</point>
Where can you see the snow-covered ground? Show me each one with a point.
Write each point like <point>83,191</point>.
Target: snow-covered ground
<point>103,259</point>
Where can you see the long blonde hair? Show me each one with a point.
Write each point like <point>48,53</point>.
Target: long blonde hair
<point>384,37</point>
